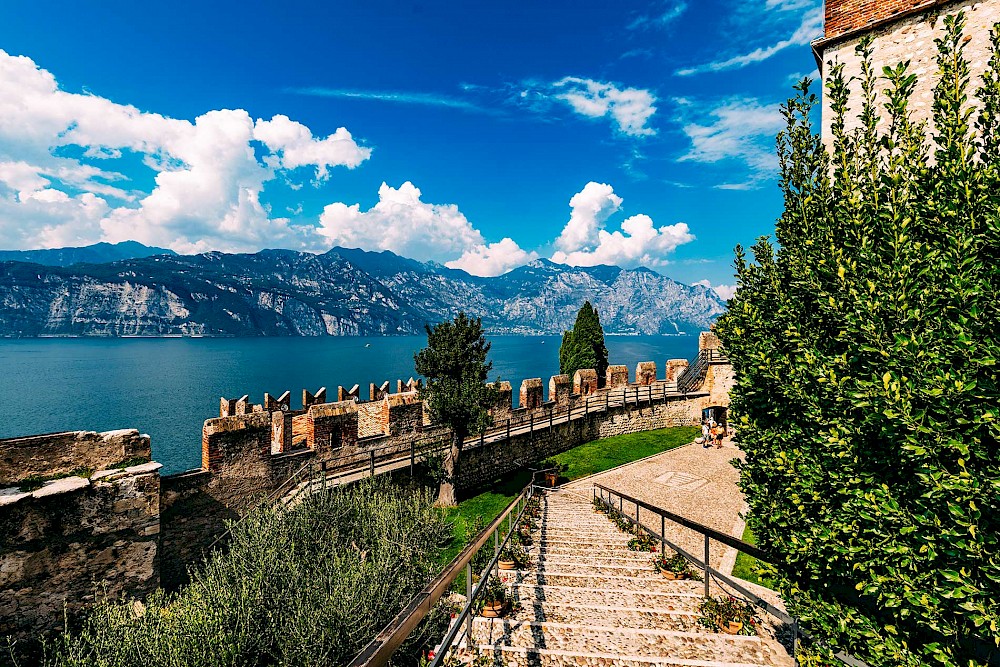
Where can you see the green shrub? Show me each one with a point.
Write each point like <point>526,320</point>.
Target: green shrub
<point>866,347</point>
<point>303,587</point>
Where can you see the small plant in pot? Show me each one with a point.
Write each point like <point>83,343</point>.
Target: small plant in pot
<point>728,614</point>
<point>642,542</point>
<point>521,537</point>
<point>513,557</point>
<point>600,505</point>
<point>552,469</point>
<point>674,567</point>
<point>533,508</point>
<point>495,599</point>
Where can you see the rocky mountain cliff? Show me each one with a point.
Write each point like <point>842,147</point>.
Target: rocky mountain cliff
<point>343,292</point>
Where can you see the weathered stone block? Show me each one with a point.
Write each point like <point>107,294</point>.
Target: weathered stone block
<point>585,382</point>
<point>645,372</point>
<point>531,394</point>
<point>57,453</point>
<point>617,377</point>
<point>560,390</point>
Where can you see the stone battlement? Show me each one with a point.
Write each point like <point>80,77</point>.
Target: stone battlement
<point>134,529</point>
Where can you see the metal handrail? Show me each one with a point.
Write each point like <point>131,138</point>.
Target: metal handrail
<point>704,565</point>
<point>380,649</point>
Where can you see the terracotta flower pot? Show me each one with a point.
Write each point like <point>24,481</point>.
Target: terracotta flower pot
<point>673,576</point>
<point>507,565</point>
<point>732,627</point>
<point>493,609</point>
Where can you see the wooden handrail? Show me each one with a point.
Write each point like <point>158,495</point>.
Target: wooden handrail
<point>380,649</point>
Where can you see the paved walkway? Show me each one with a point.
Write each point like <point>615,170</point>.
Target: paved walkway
<point>695,482</point>
<point>588,600</point>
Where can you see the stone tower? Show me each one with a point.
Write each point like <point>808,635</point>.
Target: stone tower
<point>902,30</point>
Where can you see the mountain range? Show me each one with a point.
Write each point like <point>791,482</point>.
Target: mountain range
<point>343,292</point>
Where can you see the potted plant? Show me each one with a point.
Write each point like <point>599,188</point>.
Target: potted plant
<point>533,508</point>
<point>495,599</point>
<point>674,567</point>
<point>728,614</point>
<point>521,537</point>
<point>513,557</point>
<point>642,542</point>
<point>552,469</point>
<point>599,505</point>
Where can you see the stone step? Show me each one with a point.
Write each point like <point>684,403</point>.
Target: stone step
<point>618,617</point>
<point>514,656</point>
<point>681,596</point>
<point>635,569</point>
<point>602,639</point>
<point>607,581</point>
<point>586,549</point>
<point>621,558</point>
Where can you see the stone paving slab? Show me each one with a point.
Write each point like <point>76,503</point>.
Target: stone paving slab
<point>510,656</point>
<point>624,641</point>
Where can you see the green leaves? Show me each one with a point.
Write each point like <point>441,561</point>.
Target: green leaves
<point>583,346</point>
<point>865,343</point>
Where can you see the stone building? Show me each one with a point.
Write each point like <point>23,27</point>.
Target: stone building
<point>902,30</point>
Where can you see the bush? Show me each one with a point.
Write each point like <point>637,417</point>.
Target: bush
<point>866,347</point>
<point>303,587</point>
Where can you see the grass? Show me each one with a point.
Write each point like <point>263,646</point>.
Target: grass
<point>600,455</point>
<point>586,459</point>
<point>747,567</point>
<point>35,482</point>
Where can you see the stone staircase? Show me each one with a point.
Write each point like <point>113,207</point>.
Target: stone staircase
<point>588,600</point>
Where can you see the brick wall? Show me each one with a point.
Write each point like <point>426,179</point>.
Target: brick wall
<point>843,16</point>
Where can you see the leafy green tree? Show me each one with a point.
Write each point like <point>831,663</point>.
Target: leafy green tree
<point>583,345</point>
<point>866,346</point>
<point>454,363</point>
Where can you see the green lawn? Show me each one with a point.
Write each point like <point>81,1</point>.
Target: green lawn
<point>747,567</point>
<point>587,459</point>
<point>600,455</point>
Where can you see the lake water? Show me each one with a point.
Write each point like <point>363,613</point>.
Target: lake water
<point>167,387</point>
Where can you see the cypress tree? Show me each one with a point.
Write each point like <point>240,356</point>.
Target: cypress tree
<point>583,345</point>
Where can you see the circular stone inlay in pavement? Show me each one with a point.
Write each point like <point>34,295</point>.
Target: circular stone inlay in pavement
<point>683,481</point>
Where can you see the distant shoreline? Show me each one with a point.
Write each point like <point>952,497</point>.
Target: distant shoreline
<point>228,336</point>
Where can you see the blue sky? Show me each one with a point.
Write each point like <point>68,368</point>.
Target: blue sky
<point>478,135</point>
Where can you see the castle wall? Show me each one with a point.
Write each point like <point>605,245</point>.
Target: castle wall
<point>531,394</point>
<point>910,38</point>
<point>58,453</point>
<point>74,534</point>
<point>483,464</point>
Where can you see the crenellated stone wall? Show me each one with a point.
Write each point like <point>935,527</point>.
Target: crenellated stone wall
<point>96,528</point>
<point>133,529</point>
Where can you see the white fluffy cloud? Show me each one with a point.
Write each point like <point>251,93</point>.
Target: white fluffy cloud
<point>725,292</point>
<point>400,222</point>
<point>493,259</point>
<point>590,208</point>
<point>208,180</point>
<point>630,108</point>
<point>585,242</point>
<point>739,129</point>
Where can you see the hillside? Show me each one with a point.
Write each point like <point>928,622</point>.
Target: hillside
<point>340,293</point>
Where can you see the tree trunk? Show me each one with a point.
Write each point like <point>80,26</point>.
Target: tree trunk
<point>446,494</point>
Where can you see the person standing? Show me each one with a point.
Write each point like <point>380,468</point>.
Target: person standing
<point>705,442</point>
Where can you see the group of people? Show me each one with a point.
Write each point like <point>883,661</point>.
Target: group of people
<point>712,433</point>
